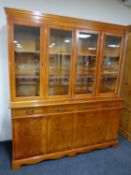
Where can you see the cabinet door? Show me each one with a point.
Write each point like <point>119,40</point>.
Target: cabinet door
<point>60,132</point>
<point>29,137</point>
<point>59,62</point>
<point>27,61</point>
<point>95,127</point>
<point>113,122</point>
<point>110,69</point>
<point>89,128</point>
<point>86,61</point>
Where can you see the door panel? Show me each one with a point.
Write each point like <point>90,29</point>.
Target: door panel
<point>89,128</point>
<point>60,132</point>
<point>113,124</point>
<point>95,127</point>
<point>29,137</point>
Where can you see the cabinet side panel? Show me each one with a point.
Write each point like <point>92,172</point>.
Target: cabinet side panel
<point>126,93</point>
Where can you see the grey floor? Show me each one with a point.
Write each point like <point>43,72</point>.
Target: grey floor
<point>109,161</point>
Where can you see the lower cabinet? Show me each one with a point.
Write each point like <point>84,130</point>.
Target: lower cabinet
<point>42,135</point>
<point>54,135</point>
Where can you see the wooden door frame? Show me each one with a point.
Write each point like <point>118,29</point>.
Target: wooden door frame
<point>64,28</point>
<point>116,92</point>
<point>12,59</point>
<point>97,62</point>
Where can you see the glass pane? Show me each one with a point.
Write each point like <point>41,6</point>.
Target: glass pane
<point>27,60</point>
<point>86,63</point>
<point>110,63</point>
<point>108,83</point>
<point>59,62</point>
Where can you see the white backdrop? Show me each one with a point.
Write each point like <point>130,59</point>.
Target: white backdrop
<point>112,11</point>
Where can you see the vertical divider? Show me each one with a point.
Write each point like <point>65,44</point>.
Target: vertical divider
<point>121,63</point>
<point>73,64</point>
<point>42,62</point>
<point>97,63</point>
<point>46,33</point>
<point>101,47</point>
<point>11,60</point>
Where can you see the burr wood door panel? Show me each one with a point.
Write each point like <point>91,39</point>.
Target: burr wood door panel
<point>60,132</point>
<point>89,128</point>
<point>29,137</point>
<point>95,127</point>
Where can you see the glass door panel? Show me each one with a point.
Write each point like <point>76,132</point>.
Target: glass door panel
<point>110,63</point>
<point>86,63</point>
<point>27,60</point>
<point>60,46</point>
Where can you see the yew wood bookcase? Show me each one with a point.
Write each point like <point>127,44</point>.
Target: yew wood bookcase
<point>65,77</point>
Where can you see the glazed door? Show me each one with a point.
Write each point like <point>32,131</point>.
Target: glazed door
<point>26,44</point>
<point>59,63</point>
<point>86,63</point>
<point>110,69</point>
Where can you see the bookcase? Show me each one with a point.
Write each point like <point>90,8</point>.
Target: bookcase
<point>65,77</point>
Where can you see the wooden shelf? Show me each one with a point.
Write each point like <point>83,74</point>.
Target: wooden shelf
<point>27,52</point>
<point>109,73</point>
<point>110,76</point>
<point>58,85</point>
<point>86,54</point>
<point>85,75</point>
<point>58,74</point>
<point>112,56</point>
<point>27,83</point>
<point>59,53</point>
<point>27,76</point>
<point>68,53</point>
